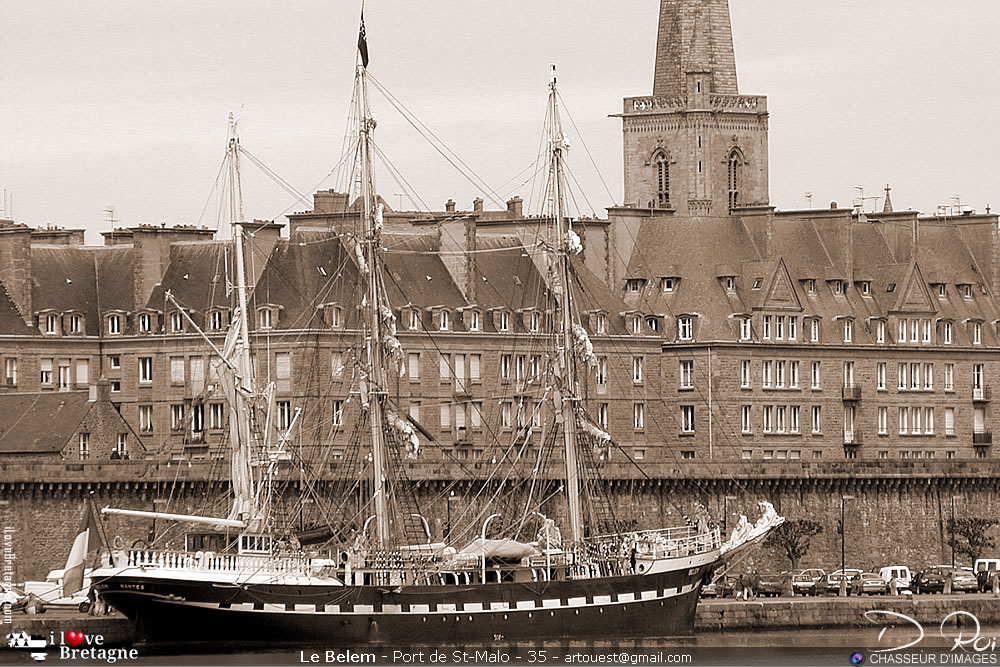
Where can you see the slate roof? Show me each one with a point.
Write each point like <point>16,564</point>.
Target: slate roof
<point>196,277</point>
<point>41,423</point>
<point>11,322</point>
<point>72,278</point>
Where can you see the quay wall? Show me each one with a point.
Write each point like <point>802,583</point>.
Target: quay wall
<point>893,513</point>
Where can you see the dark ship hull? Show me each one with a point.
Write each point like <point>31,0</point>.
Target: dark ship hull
<point>181,611</point>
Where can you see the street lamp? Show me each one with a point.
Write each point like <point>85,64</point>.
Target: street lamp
<point>482,545</point>
<point>725,516</point>
<point>843,545</point>
<point>447,532</point>
<point>953,499</point>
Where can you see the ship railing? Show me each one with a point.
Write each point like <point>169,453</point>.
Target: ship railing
<point>663,543</point>
<point>208,561</point>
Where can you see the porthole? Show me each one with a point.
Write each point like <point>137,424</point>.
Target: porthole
<point>470,618</point>
<point>552,613</point>
<point>425,619</point>
<point>602,610</point>
<point>458,618</point>
<point>505,617</point>
<point>529,614</point>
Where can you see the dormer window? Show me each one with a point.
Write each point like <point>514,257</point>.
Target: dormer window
<point>601,323</point>
<point>757,282</point>
<point>635,324</point>
<point>263,318</point>
<point>814,330</point>
<point>215,320</point>
<point>634,285</point>
<point>880,331</point>
<point>176,322</point>
<point>838,287</point>
<point>114,324</point>
<point>811,286</point>
<point>412,320</point>
<point>977,333</point>
<point>503,321</point>
<point>534,321</point>
<point>966,291</point>
<point>653,323</point>
<point>942,291</point>
<point>685,328</point>
<point>444,320</point>
<point>668,284</point>
<point>145,323</point>
<point>848,331</point>
<point>75,324</point>
<point>51,324</point>
<point>745,328</point>
<point>474,320</point>
<point>730,284</point>
<point>947,333</point>
<point>865,287</point>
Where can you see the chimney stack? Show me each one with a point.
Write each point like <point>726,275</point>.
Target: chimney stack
<point>330,201</point>
<point>477,205</point>
<point>515,207</point>
<point>15,266</point>
<point>458,245</point>
<point>449,206</point>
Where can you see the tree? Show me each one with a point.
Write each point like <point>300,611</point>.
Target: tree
<point>969,537</point>
<point>793,538</point>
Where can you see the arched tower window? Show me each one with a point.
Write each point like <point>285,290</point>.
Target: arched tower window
<point>662,166</point>
<point>735,177</point>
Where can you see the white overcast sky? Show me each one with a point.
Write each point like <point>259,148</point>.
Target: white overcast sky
<point>124,103</point>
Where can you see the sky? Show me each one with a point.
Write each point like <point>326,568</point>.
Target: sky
<point>124,104</point>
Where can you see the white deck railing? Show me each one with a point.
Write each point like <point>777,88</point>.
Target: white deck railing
<point>208,561</point>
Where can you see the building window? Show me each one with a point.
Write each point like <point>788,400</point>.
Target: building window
<point>735,178</point>
<point>779,421</point>
<point>977,380</point>
<point>880,331</point>
<point>284,414</point>
<point>966,291</point>
<point>114,324</point>
<point>145,323</point>
<point>413,366</point>
<point>474,320</point>
<point>64,375</point>
<point>638,416</point>
<point>145,370</point>
<point>145,418</point>
<point>602,416</point>
<point>684,328</point>
<point>637,370</point>
<point>947,333</point>
<point>866,288</point>
<point>745,328</point>
<point>817,419</point>
<point>264,316</point>
<point>45,371</point>
<point>662,166</point>
<point>216,413</point>
<point>198,419</point>
<point>901,338</point>
<point>745,423</point>
<point>635,324</point>
<point>601,323</point>
<point>928,421</point>
<point>914,331</point>
<point>444,367</point>
<point>337,413</point>
<point>668,285</point>
<point>686,373</point>
<point>765,379</point>
<point>177,321</point>
<point>793,419</point>
<point>745,380</point>
<point>767,418</point>
<point>687,454</point>
<point>779,374</point>
<point>10,371</point>
<point>84,446</point>
<point>838,287</point>
<point>176,416</point>
<point>793,332</point>
<point>793,374</point>
<point>814,331</point>
<point>215,320</point>
<point>848,331</point>
<point>121,447</point>
<point>949,421</point>
<point>504,321</point>
<point>977,333</point>
<point>880,376</point>
<point>337,365</point>
<point>74,324</point>
<point>883,420</point>
<point>815,376</point>
<point>177,370</point>
<point>929,377</point>
<point>444,321</point>
<point>848,373</point>
<point>687,419</point>
<point>653,323</point>
<point>767,327</point>
<point>730,284</point>
<point>779,327</point>
<point>927,330</point>
<point>904,419</point>
<point>634,285</point>
<point>51,324</point>
<point>116,386</point>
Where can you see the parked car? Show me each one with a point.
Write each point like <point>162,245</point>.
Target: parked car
<point>803,582</point>
<point>932,580</point>
<point>830,584</point>
<point>900,573</point>
<point>868,583</point>
<point>772,584</point>
<point>720,588</point>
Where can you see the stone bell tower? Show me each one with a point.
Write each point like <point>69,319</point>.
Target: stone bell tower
<point>696,145</point>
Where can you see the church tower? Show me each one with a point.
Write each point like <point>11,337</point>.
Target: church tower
<point>696,145</point>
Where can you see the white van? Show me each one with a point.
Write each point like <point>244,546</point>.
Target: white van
<point>900,573</point>
<point>983,564</point>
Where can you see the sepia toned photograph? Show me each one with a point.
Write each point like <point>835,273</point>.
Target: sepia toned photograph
<point>472,333</point>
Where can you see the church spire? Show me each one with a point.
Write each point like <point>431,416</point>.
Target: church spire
<point>694,36</point>
<point>887,208</point>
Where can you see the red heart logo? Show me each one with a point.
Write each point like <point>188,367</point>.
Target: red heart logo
<point>74,638</point>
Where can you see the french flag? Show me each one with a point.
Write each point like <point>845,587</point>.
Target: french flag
<point>87,541</point>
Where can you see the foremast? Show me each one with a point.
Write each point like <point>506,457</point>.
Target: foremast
<point>373,384</point>
<point>566,399</point>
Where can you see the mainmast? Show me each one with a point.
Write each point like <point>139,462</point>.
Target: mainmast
<point>567,404</point>
<point>373,392</point>
<point>236,217</point>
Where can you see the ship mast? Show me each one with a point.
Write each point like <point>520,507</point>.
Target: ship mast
<point>567,404</point>
<point>373,391</point>
<point>236,217</point>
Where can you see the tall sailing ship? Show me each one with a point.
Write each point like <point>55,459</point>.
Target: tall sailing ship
<point>248,578</point>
